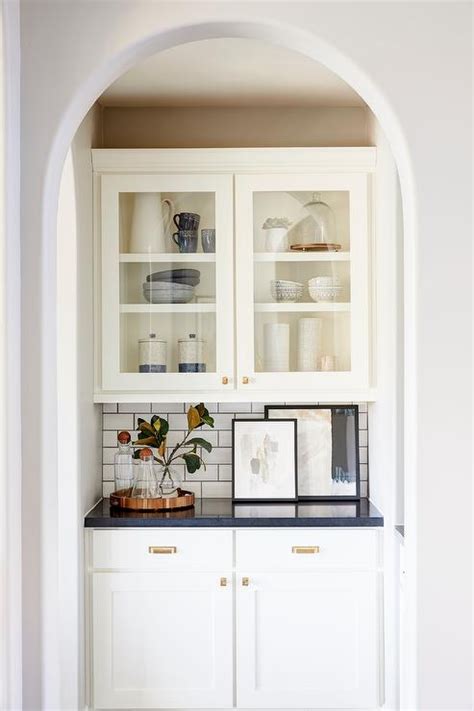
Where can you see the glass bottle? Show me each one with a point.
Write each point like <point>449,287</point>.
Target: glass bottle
<point>170,481</point>
<point>123,462</point>
<point>145,485</point>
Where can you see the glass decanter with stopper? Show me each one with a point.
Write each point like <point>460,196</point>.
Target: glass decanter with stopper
<point>123,462</point>
<point>145,485</point>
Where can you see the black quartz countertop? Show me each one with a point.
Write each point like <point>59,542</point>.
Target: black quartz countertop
<point>224,513</point>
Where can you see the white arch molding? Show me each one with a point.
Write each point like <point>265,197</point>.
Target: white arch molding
<point>54,664</point>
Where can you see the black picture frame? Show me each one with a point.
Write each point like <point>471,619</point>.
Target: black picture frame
<point>354,410</point>
<point>270,500</point>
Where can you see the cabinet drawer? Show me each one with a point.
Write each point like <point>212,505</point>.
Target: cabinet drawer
<point>306,549</point>
<point>162,549</point>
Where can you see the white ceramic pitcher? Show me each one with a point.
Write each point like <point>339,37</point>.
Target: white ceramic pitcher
<point>149,230</point>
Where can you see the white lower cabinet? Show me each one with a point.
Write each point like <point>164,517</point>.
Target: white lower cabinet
<point>274,619</point>
<point>162,640</point>
<point>307,640</point>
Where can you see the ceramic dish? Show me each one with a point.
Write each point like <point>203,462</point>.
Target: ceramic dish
<point>190,277</point>
<point>324,281</point>
<point>289,291</point>
<point>325,293</point>
<point>168,297</point>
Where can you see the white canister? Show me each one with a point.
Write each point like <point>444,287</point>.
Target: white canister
<point>276,239</point>
<point>276,347</point>
<point>191,354</point>
<point>309,343</point>
<point>328,363</point>
<point>152,354</point>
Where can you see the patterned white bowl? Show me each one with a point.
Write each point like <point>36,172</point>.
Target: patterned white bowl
<point>325,293</point>
<point>289,291</point>
<point>325,281</point>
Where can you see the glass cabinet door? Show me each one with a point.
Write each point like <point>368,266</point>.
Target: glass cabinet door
<point>167,282</point>
<point>302,281</point>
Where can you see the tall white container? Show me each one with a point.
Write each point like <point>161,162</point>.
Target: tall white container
<point>309,343</point>
<point>150,228</point>
<point>276,347</point>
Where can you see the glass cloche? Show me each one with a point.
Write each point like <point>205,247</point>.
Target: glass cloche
<point>317,224</point>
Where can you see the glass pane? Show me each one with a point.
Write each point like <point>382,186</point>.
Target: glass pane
<point>302,287</point>
<point>167,303</point>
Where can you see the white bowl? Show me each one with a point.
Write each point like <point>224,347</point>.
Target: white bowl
<point>286,291</point>
<point>324,281</point>
<point>325,293</point>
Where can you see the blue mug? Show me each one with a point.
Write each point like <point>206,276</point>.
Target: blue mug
<point>187,240</point>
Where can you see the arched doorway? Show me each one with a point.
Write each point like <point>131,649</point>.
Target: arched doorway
<point>56,541</point>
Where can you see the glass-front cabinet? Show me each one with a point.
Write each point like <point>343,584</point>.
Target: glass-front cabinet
<point>233,274</point>
<point>302,280</point>
<point>166,282</point>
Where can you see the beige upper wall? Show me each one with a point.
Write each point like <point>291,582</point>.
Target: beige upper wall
<point>216,127</point>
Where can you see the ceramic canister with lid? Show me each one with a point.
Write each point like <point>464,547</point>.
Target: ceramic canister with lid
<point>152,354</point>
<point>191,354</point>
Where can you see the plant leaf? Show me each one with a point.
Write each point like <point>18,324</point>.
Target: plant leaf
<point>145,441</point>
<point>157,424</point>
<point>193,462</point>
<point>146,427</point>
<point>194,418</point>
<point>200,442</point>
<point>164,427</point>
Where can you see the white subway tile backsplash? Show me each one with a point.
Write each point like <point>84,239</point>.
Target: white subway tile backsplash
<point>225,438</point>
<point>134,407</point>
<point>216,489</point>
<point>107,488</point>
<point>216,480</point>
<point>118,422</point>
<point>235,407</point>
<point>158,408</point>
<point>109,438</point>
<point>225,472</point>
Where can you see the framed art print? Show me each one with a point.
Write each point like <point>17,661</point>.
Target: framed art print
<point>264,460</point>
<point>327,449</point>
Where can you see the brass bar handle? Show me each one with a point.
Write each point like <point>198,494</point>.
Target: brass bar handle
<point>225,380</point>
<point>305,550</point>
<point>223,582</point>
<point>245,582</point>
<point>165,550</point>
<point>245,380</point>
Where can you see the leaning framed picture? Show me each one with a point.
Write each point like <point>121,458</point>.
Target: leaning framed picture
<point>264,460</point>
<point>327,449</point>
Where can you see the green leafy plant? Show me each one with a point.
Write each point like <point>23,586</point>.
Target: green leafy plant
<point>153,434</point>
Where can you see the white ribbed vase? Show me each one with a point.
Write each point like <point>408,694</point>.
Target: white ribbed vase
<point>309,343</point>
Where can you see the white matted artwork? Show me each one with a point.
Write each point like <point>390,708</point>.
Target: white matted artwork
<point>264,460</point>
<point>327,449</point>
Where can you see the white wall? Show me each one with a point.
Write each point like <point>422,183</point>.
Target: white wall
<point>172,127</point>
<point>79,420</point>
<point>408,60</point>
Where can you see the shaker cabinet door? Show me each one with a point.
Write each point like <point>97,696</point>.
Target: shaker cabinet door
<point>162,641</point>
<point>307,640</point>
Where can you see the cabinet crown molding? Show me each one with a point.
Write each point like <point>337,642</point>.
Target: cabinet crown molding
<point>234,160</point>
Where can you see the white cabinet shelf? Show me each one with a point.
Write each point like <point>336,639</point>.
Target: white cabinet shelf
<point>301,307</point>
<point>167,308</point>
<point>232,311</point>
<point>166,257</point>
<point>302,256</point>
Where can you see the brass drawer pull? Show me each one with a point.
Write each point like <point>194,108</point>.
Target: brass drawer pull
<point>225,380</point>
<point>223,582</point>
<point>245,380</point>
<point>166,550</point>
<point>307,550</point>
<point>245,582</point>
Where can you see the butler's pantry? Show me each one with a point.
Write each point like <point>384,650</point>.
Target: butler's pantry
<point>238,262</point>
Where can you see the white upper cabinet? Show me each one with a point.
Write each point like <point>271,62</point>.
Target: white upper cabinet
<point>243,322</point>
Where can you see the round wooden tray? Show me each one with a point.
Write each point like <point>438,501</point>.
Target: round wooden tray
<point>120,499</point>
<point>316,247</point>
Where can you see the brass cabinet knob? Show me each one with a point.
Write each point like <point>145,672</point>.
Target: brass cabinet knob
<point>245,582</point>
<point>245,380</point>
<point>225,380</point>
<point>223,582</point>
